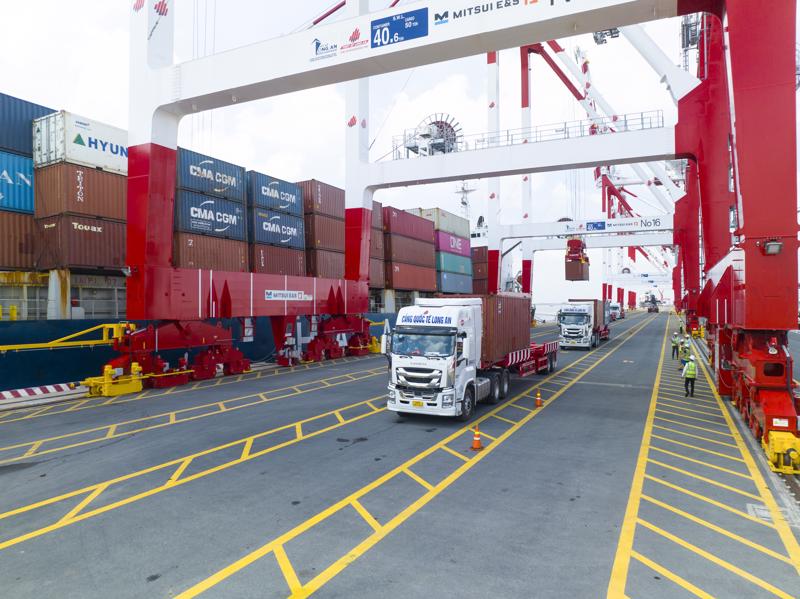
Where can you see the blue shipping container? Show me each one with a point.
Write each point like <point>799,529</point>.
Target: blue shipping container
<point>207,215</point>
<point>16,183</point>
<point>16,124</point>
<point>210,176</point>
<point>274,194</point>
<point>450,282</point>
<point>277,228</point>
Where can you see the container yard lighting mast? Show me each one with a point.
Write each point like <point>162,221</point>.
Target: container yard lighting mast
<point>750,294</point>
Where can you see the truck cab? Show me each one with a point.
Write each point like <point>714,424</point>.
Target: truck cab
<point>616,311</point>
<point>583,323</point>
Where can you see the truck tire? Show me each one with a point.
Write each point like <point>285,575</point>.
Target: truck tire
<point>551,363</point>
<point>494,388</point>
<point>504,383</point>
<point>468,408</point>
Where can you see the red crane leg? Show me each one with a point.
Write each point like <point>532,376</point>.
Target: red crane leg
<point>527,274</point>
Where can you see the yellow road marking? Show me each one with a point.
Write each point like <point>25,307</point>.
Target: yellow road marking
<point>298,428</point>
<point>369,518</point>
<point>699,437</point>
<point>488,436</point>
<point>503,419</point>
<point>180,470</point>
<point>33,448</point>
<point>715,423</point>
<point>700,462</point>
<point>455,453</point>
<point>699,428</point>
<point>339,417</point>
<point>70,515</point>
<point>698,448</point>
<point>418,478</point>
<point>248,445</point>
<point>669,403</point>
<point>710,481</point>
<point>523,408</point>
<point>286,568</point>
<point>669,574</point>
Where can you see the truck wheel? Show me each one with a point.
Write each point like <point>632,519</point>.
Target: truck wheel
<point>468,406</point>
<point>494,388</point>
<point>504,382</point>
<point>551,363</point>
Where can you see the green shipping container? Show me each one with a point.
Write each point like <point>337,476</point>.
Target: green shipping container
<point>453,263</point>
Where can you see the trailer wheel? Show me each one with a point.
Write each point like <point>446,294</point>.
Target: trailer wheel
<point>504,383</point>
<point>468,406</point>
<point>552,362</point>
<point>494,388</point>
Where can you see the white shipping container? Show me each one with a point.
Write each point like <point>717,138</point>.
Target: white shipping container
<point>67,137</point>
<point>444,221</point>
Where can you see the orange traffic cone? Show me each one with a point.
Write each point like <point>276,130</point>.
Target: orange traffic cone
<point>476,441</point>
<point>539,402</point>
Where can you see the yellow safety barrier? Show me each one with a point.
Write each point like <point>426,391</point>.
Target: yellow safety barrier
<point>12,312</point>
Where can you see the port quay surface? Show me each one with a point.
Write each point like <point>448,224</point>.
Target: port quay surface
<point>299,482</point>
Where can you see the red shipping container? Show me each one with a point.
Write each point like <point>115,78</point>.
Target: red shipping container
<point>376,246</point>
<point>409,251</point>
<point>325,264</point>
<point>403,223</point>
<point>480,286</point>
<point>451,244</point>
<point>321,198</point>
<point>575,270</point>
<point>480,270</point>
<point>18,241</point>
<point>377,274</point>
<point>209,253</point>
<point>410,277</point>
<point>274,260</point>
<point>480,254</point>
<point>68,188</point>
<point>377,215</point>
<point>324,232</point>
<point>72,241</point>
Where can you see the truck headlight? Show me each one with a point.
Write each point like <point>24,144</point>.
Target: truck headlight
<point>447,400</point>
<point>391,395</point>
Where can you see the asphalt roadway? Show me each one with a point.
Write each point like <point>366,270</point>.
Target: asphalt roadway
<point>300,482</point>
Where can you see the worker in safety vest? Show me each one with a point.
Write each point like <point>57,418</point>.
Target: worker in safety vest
<point>684,355</point>
<point>689,376</point>
<point>676,346</point>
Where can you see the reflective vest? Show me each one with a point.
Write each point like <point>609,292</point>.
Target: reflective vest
<point>685,352</point>
<point>676,341</point>
<point>691,370</point>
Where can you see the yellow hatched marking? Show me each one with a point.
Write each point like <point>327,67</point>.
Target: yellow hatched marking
<point>112,430</point>
<point>77,405</point>
<point>418,478</point>
<point>371,405</point>
<point>222,407</point>
<point>503,419</point>
<point>698,448</point>
<point>523,408</point>
<point>669,404</point>
<point>298,430</point>
<point>714,422</point>
<point>670,575</point>
<point>83,503</point>
<point>716,560</point>
<point>180,470</point>
<point>286,568</point>
<point>699,428</point>
<point>369,518</point>
<point>248,445</point>
<point>700,462</point>
<point>487,435</point>
<point>682,395</point>
<point>710,481</point>
<point>339,417</point>
<point>701,438</point>
<point>172,418</point>
<point>455,453</point>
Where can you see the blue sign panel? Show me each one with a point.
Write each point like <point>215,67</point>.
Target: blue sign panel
<point>596,226</point>
<point>399,28</point>
<point>16,183</point>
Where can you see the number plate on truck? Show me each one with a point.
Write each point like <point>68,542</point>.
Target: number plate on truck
<point>416,404</point>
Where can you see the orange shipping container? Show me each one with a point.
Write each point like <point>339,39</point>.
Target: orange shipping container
<point>325,264</point>
<point>324,232</point>
<point>409,251</point>
<point>274,260</point>
<point>18,240</point>
<point>209,253</point>
<point>72,241</point>
<point>68,188</point>
<point>410,277</point>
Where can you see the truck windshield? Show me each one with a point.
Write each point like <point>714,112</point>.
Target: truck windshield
<point>415,344</point>
<point>573,319</point>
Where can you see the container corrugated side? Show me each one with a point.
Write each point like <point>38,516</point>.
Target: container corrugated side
<point>210,176</point>
<point>447,242</point>
<point>207,215</point>
<point>377,215</point>
<point>410,277</point>
<point>276,228</point>
<point>576,270</point>
<point>406,224</point>
<point>377,274</point>
<point>446,262</point>
<point>480,270</point>
<point>16,183</point>
<point>274,194</point>
<point>322,198</point>
<point>325,264</point>
<point>17,241</point>
<point>16,122</point>
<point>376,245</point>
<point>450,282</point>
<point>480,254</point>
<point>80,190</point>
<point>72,241</point>
<point>67,137</point>
<point>409,251</point>
<point>506,325</point>
<point>209,253</point>
<point>274,260</point>
<point>480,286</point>
<point>444,220</point>
<point>324,232</point>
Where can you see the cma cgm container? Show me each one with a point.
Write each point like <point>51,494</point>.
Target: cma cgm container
<point>207,175</point>
<point>276,228</point>
<point>324,232</point>
<point>444,221</point>
<point>377,274</point>
<point>450,282</point>
<point>452,263</point>
<point>447,242</point>
<point>80,190</point>
<point>406,224</point>
<point>274,260</point>
<point>16,183</point>
<point>71,241</point>
<point>67,137</point>
<point>321,198</point>
<point>206,215</point>
<point>325,264</point>
<point>17,241</point>
<point>209,253</point>
<point>410,277</point>
<point>408,251</point>
<point>268,192</point>
<point>16,120</point>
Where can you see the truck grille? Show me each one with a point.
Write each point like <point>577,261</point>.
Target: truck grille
<point>571,332</point>
<point>419,378</point>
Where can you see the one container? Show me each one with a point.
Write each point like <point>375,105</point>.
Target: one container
<point>209,253</point>
<point>449,282</point>
<point>16,182</point>
<point>407,224</point>
<point>77,189</point>
<point>325,264</point>
<point>210,176</point>
<point>274,194</point>
<point>377,274</point>
<point>452,263</point>
<point>410,277</point>
<point>206,215</point>
<point>480,254</point>
<point>324,232</point>
<point>322,198</point>
<point>72,241</point>
<point>274,260</point>
<point>16,120</point>
<point>480,270</point>
<point>276,228</point>
<point>506,325</point>
<point>17,241</point>
<point>377,215</point>
<point>447,242</point>
<point>67,137</point>
<point>409,251</point>
<point>576,270</point>
<point>480,286</point>
<point>444,221</point>
<point>376,245</point>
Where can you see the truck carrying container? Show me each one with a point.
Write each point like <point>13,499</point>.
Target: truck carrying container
<point>208,215</point>
<point>450,282</point>
<point>409,251</point>
<point>210,176</point>
<point>209,253</point>
<point>444,221</point>
<point>17,241</point>
<point>72,241</point>
<point>447,242</point>
<point>16,122</point>
<point>325,264</point>
<point>377,274</point>
<point>446,262</point>
<point>324,232</point>
<point>583,323</point>
<point>65,187</point>
<point>410,277</point>
<point>322,198</point>
<point>16,183</point>
<point>274,260</point>
<point>67,137</point>
<point>268,192</point>
<point>398,222</point>
<point>276,228</point>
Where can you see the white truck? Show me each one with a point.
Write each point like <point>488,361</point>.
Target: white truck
<point>583,323</point>
<point>447,354</point>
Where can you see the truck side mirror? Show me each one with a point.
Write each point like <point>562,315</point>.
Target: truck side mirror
<point>465,347</point>
<point>384,343</point>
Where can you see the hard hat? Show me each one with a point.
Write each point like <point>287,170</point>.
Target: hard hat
<point>687,335</point>
<point>691,357</point>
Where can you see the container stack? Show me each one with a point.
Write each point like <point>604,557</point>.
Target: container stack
<point>210,219</point>
<point>80,188</point>
<point>453,262</point>
<point>323,206</point>
<point>377,264</point>
<point>276,227</point>
<point>480,270</point>
<point>409,251</point>
<point>17,229</point>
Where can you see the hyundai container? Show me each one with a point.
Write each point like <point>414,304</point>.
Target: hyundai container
<point>16,183</point>
<point>444,221</point>
<point>376,245</point>
<point>16,123</point>
<point>377,274</point>
<point>450,282</point>
<point>207,215</point>
<point>268,192</point>
<point>274,260</point>
<point>72,241</point>
<point>447,242</point>
<point>67,137</point>
<point>325,264</point>
<point>210,176</point>
<point>17,241</point>
<point>276,228</point>
<point>398,222</point>
<point>322,198</point>
<point>410,251</point>
<point>324,232</point>
<point>410,277</point>
<point>446,262</point>
<point>77,189</point>
<point>209,253</point>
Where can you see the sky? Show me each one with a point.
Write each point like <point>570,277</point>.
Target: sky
<point>74,56</point>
